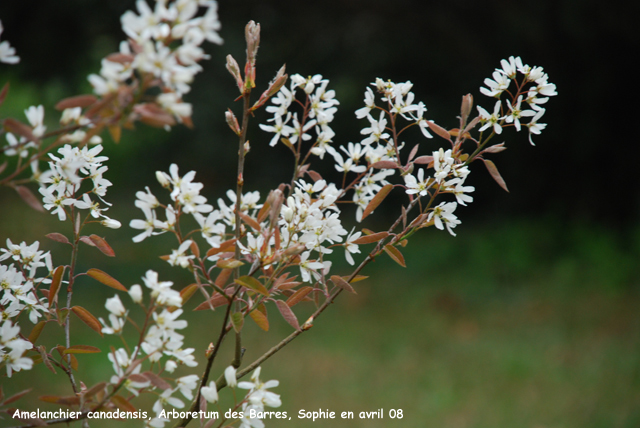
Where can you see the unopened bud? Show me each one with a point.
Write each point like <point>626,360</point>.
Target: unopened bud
<point>465,110</point>
<point>232,121</point>
<point>111,223</point>
<point>163,179</point>
<point>252,34</point>
<point>234,69</point>
<point>247,147</point>
<point>295,249</point>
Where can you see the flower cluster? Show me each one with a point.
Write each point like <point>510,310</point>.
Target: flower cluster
<point>60,185</point>
<point>12,348</point>
<point>534,89</point>
<point>19,280</point>
<point>7,53</point>
<point>319,110</point>
<point>164,49</point>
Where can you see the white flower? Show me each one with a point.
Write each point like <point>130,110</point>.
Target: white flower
<point>186,384</point>
<point>210,393</point>
<point>419,185</point>
<point>534,126</point>
<point>491,120</point>
<point>115,306</point>
<point>178,258</point>
<point>230,376</point>
<point>351,248</point>
<point>442,216</point>
<point>258,394</point>
<point>7,53</point>
<point>496,86</point>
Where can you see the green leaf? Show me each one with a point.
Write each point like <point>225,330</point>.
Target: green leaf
<point>252,284</point>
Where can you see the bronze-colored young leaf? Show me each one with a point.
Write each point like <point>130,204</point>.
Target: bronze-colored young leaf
<point>215,301</point>
<point>106,279</point>
<point>58,237</point>
<point>260,319</point>
<point>493,170</point>
<point>423,160</point>
<point>55,284</point>
<point>439,130</point>
<point>115,131</point>
<point>35,332</point>
<point>297,297</point>
<point>187,292</point>
<point>73,362</point>
<point>224,246</point>
<point>288,314</point>
<point>395,254</point>
<point>237,320</point>
<point>384,165</point>
<point>16,127</point>
<point>28,196</point>
<point>369,239</point>
<point>102,245</point>
<point>314,175</point>
<point>377,200</point>
<point>496,148</point>
<point>340,282</point>
<point>70,400</point>
<point>87,318</point>
<point>229,263</point>
<point>87,241</point>
<point>76,101</point>
<point>81,349</point>
<point>358,278</point>
<point>156,380</point>
<point>16,397</point>
<point>123,404</point>
<point>98,387</point>
<point>252,284</point>
<point>250,221</point>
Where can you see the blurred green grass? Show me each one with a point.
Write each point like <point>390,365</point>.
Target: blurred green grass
<point>523,323</point>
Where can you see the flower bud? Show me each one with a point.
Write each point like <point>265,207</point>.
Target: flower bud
<point>163,179</point>
<point>210,393</point>
<point>232,121</point>
<point>230,376</point>
<point>467,104</point>
<point>136,293</point>
<point>111,223</point>
<point>115,306</point>
<point>252,34</point>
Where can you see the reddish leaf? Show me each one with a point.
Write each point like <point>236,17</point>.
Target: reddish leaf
<point>223,277</point>
<point>413,152</point>
<point>31,199</point>
<point>87,318</point>
<point>215,301</point>
<point>440,131</point>
<point>73,362</point>
<point>4,92</point>
<point>35,333</point>
<point>314,175</point>
<point>260,319</point>
<point>340,282</point>
<point>55,284</point>
<point>87,241</point>
<point>106,279</point>
<point>154,115</point>
<point>19,128</point>
<point>81,349</point>
<point>395,254</point>
<point>102,245</point>
<point>298,296</point>
<point>3,166</point>
<point>491,167</point>
<point>98,387</point>
<point>58,237</point>
<point>368,239</point>
<point>120,58</point>
<point>226,245</point>
<point>250,221</point>
<point>16,397</point>
<point>76,101</point>
<point>286,283</point>
<point>423,160</point>
<point>156,380</point>
<point>384,165</point>
<point>496,148</point>
<point>229,263</point>
<point>252,284</point>
<point>69,400</point>
<point>377,200</point>
<point>187,292</point>
<point>195,250</point>
<point>288,314</point>
<point>122,403</point>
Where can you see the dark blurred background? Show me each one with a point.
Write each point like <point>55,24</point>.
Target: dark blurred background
<point>537,326</point>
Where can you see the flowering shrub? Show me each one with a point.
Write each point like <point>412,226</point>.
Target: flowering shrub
<point>248,252</point>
